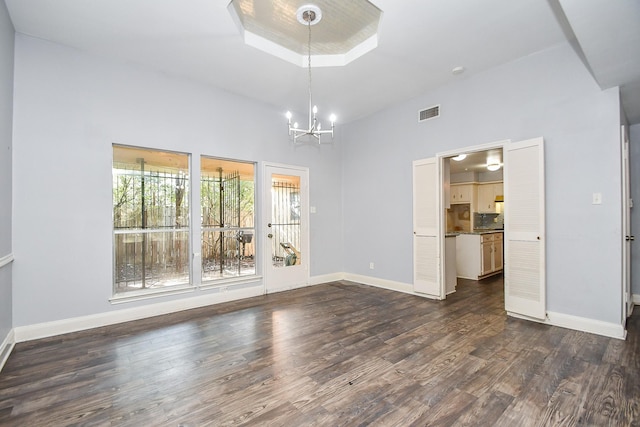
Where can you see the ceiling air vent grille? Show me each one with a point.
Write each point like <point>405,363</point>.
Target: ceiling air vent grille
<point>429,113</point>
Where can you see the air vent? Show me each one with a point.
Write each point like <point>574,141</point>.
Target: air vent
<point>429,113</point>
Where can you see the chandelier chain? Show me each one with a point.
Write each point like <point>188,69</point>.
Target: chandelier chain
<point>309,63</point>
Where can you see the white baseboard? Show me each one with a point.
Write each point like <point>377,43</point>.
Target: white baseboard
<point>598,327</point>
<point>6,348</point>
<point>636,299</point>
<point>5,260</point>
<point>325,278</point>
<point>65,326</point>
<point>391,285</point>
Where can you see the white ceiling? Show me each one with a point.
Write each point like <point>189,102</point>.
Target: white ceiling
<point>476,161</point>
<point>420,42</point>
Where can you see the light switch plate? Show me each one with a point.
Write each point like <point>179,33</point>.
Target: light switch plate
<point>597,198</point>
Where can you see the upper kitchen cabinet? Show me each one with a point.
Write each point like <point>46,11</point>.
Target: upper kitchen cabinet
<point>487,194</point>
<point>461,193</point>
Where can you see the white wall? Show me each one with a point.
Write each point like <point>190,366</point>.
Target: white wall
<point>6,119</point>
<point>69,109</point>
<point>547,94</point>
<point>634,160</point>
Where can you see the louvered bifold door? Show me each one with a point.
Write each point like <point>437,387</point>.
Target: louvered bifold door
<point>525,286</point>
<point>426,247</point>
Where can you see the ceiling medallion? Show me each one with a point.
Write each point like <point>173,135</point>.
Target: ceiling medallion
<point>309,14</point>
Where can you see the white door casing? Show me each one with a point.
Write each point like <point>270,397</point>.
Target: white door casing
<point>427,277</point>
<point>627,300</point>
<point>524,264</point>
<point>290,267</point>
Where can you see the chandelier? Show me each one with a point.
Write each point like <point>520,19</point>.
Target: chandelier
<point>310,15</point>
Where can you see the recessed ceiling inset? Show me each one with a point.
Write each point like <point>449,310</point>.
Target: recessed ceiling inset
<point>344,30</point>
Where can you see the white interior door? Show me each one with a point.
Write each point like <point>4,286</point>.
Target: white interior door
<point>524,264</point>
<point>626,223</point>
<point>286,217</point>
<point>426,236</point>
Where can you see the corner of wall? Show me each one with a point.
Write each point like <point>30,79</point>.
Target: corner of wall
<point>6,348</point>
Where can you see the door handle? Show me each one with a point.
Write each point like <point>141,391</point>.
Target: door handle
<point>270,235</point>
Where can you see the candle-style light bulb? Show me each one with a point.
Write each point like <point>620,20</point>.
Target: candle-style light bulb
<point>332,118</point>
<point>315,110</point>
<point>289,115</point>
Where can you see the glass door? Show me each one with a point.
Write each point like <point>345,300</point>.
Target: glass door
<point>287,240</point>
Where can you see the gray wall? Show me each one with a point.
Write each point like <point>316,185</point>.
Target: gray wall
<point>548,94</point>
<point>6,120</point>
<point>634,160</point>
<point>69,109</point>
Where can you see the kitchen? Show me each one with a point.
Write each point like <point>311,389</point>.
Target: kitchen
<point>474,216</point>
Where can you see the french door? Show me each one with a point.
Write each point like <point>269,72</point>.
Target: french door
<point>524,233</point>
<point>524,226</point>
<point>426,237</point>
<point>286,214</point>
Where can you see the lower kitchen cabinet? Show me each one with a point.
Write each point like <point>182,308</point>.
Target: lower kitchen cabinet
<point>479,255</point>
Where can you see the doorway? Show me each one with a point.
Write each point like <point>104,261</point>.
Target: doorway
<point>524,225</point>
<point>286,213</point>
<point>473,209</point>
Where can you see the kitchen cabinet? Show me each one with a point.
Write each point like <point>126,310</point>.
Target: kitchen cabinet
<point>479,255</point>
<point>461,193</point>
<point>487,196</point>
<point>491,253</point>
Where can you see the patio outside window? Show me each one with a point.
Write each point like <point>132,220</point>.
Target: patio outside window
<point>150,220</point>
<point>227,194</point>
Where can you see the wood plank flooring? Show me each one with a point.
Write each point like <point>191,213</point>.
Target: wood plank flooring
<point>338,354</point>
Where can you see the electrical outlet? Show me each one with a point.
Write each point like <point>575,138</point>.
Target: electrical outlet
<point>597,199</point>
<point>371,266</point>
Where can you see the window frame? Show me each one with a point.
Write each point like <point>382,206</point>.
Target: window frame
<point>188,286</point>
<point>224,281</point>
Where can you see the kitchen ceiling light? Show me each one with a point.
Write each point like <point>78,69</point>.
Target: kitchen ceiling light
<point>459,157</point>
<point>493,166</point>
<point>310,15</point>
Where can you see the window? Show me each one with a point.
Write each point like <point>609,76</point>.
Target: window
<point>150,220</point>
<point>285,220</point>
<point>227,191</point>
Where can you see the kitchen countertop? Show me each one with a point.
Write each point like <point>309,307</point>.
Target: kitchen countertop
<point>479,232</point>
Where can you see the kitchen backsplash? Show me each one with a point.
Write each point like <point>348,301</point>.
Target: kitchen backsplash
<point>459,218</point>
<point>488,221</point>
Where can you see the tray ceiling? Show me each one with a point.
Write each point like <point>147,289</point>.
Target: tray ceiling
<point>419,43</point>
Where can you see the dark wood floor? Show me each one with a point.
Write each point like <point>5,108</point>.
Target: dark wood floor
<point>328,355</point>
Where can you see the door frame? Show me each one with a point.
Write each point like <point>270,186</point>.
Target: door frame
<point>627,295</point>
<point>445,194</point>
<point>265,217</point>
